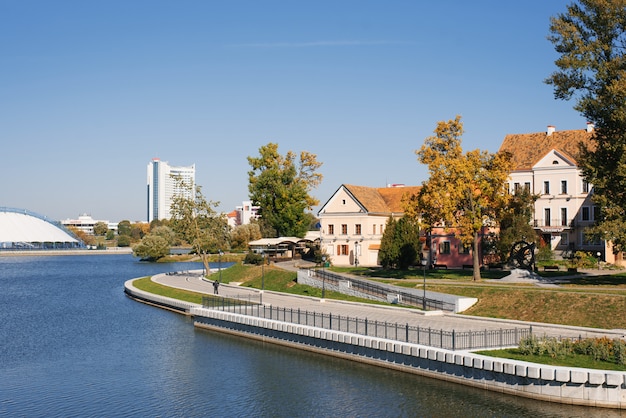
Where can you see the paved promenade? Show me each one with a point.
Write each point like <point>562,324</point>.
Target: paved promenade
<point>414,317</point>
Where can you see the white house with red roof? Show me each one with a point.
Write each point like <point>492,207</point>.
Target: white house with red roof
<point>546,164</point>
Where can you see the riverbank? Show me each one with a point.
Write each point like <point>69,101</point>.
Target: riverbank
<point>565,385</point>
<point>107,251</point>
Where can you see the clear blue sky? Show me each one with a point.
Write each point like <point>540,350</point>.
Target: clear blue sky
<point>91,91</point>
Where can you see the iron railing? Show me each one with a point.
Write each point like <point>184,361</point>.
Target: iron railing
<point>381,291</point>
<point>452,340</point>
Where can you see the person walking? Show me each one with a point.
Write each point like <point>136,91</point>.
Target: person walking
<point>216,285</point>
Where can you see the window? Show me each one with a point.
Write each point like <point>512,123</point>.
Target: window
<point>563,216</point>
<point>444,247</point>
<point>357,229</point>
<point>516,187</point>
<point>344,229</point>
<point>596,213</point>
<point>585,186</point>
<point>563,186</point>
<point>342,249</point>
<point>374,229</point>
<point>585,214</point>
<point>527,186</point>
<point>546,217</point>
<point>464,249</point>
<point>564,239</point>
<point>590,239</point>
<point>331,229</point>
<point>546,187</point>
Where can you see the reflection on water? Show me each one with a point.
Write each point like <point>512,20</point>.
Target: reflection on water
<point>74,345</point>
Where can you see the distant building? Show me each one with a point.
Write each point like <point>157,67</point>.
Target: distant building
<point>162,187</point>
<point>246,212</point>
<point>86,223</point>
<point>21,229</point>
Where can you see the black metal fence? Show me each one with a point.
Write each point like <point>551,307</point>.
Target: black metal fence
<point>381,291</point>
<point>452,340</point>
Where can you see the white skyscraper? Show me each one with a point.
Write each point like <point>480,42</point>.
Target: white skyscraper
<point>162,187</point>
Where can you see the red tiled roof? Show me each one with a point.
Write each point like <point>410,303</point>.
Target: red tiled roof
<point>381,199</point>
<point>527,149</point>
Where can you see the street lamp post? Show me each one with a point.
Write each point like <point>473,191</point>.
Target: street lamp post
<point>262,277</point>
<point>356,253</point>
<point>323,277</point>
<point>424,263</point>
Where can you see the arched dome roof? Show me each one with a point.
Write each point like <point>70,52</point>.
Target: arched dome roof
<point>20,228</point>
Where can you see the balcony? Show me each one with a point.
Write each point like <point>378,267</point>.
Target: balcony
<point>553,225</point>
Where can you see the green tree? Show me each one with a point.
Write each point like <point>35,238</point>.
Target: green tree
<point>123,241</point>
<point>515,223</point>
<point>197,222</point>
<point>123,228</point>
<point>241,235</point>
<point>281,187</point>
<point>400,245</point>
<point>389,252</point>
<point>590,38</point>
<point>166,233</point>
<point>464,191</point>
<point>151,248</point>
<point>100,228</point>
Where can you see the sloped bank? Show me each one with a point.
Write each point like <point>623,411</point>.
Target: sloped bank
<point>575,386</point>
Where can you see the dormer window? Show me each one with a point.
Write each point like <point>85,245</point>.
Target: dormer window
<point>343,201</point>
<point>555,162</point>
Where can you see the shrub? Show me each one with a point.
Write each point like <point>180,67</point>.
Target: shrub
<point>253,258</point>
<point>584,259</point>
<point>600,349</point>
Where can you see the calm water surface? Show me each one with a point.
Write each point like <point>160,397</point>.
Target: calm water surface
<point>73,345</point>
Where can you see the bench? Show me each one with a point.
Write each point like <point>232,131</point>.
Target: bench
<point>545,268</point>
<point>440,266</point>
<point>468,266</point>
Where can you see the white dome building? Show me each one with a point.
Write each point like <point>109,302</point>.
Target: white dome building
<point>23,230</point>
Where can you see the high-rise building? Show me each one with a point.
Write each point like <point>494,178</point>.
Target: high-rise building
<point>162,187</point>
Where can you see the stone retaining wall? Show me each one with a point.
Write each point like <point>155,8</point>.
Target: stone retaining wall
<point>574,386</point>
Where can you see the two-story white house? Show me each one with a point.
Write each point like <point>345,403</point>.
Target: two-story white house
<point>353,222</point>
<point>546,164</point>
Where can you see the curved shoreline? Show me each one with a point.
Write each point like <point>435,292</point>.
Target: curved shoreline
<point>575,386</point>
<point>42,253</point>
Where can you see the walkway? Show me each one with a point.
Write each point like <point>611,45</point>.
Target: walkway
<point>194,281</point>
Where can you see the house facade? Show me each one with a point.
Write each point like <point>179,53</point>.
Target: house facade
<point>352,222</point>
<point>545,163</point>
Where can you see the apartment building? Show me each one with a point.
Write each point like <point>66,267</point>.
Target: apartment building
<point>162,187</point>
<point>546,164</point>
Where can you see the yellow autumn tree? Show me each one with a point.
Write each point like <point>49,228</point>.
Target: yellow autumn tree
<point>464,191</point>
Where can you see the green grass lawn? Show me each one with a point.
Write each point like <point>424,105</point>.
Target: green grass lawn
<point>574,360</point>
<point>597,302</point>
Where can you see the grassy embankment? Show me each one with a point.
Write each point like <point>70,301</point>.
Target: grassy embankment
<point>589,301</point>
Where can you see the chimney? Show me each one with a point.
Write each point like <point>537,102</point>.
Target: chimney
<point>551,130</point>
<point>590,126</point>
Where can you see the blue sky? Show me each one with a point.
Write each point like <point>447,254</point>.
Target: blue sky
<point>91,91</point>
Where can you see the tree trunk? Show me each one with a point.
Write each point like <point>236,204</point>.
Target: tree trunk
<point>476,259</point>
<point>205,261</point>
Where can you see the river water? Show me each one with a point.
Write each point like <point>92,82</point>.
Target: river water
<point>73,345</point>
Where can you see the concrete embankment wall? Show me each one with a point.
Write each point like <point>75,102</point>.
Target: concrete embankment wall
<point>548,383</point>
